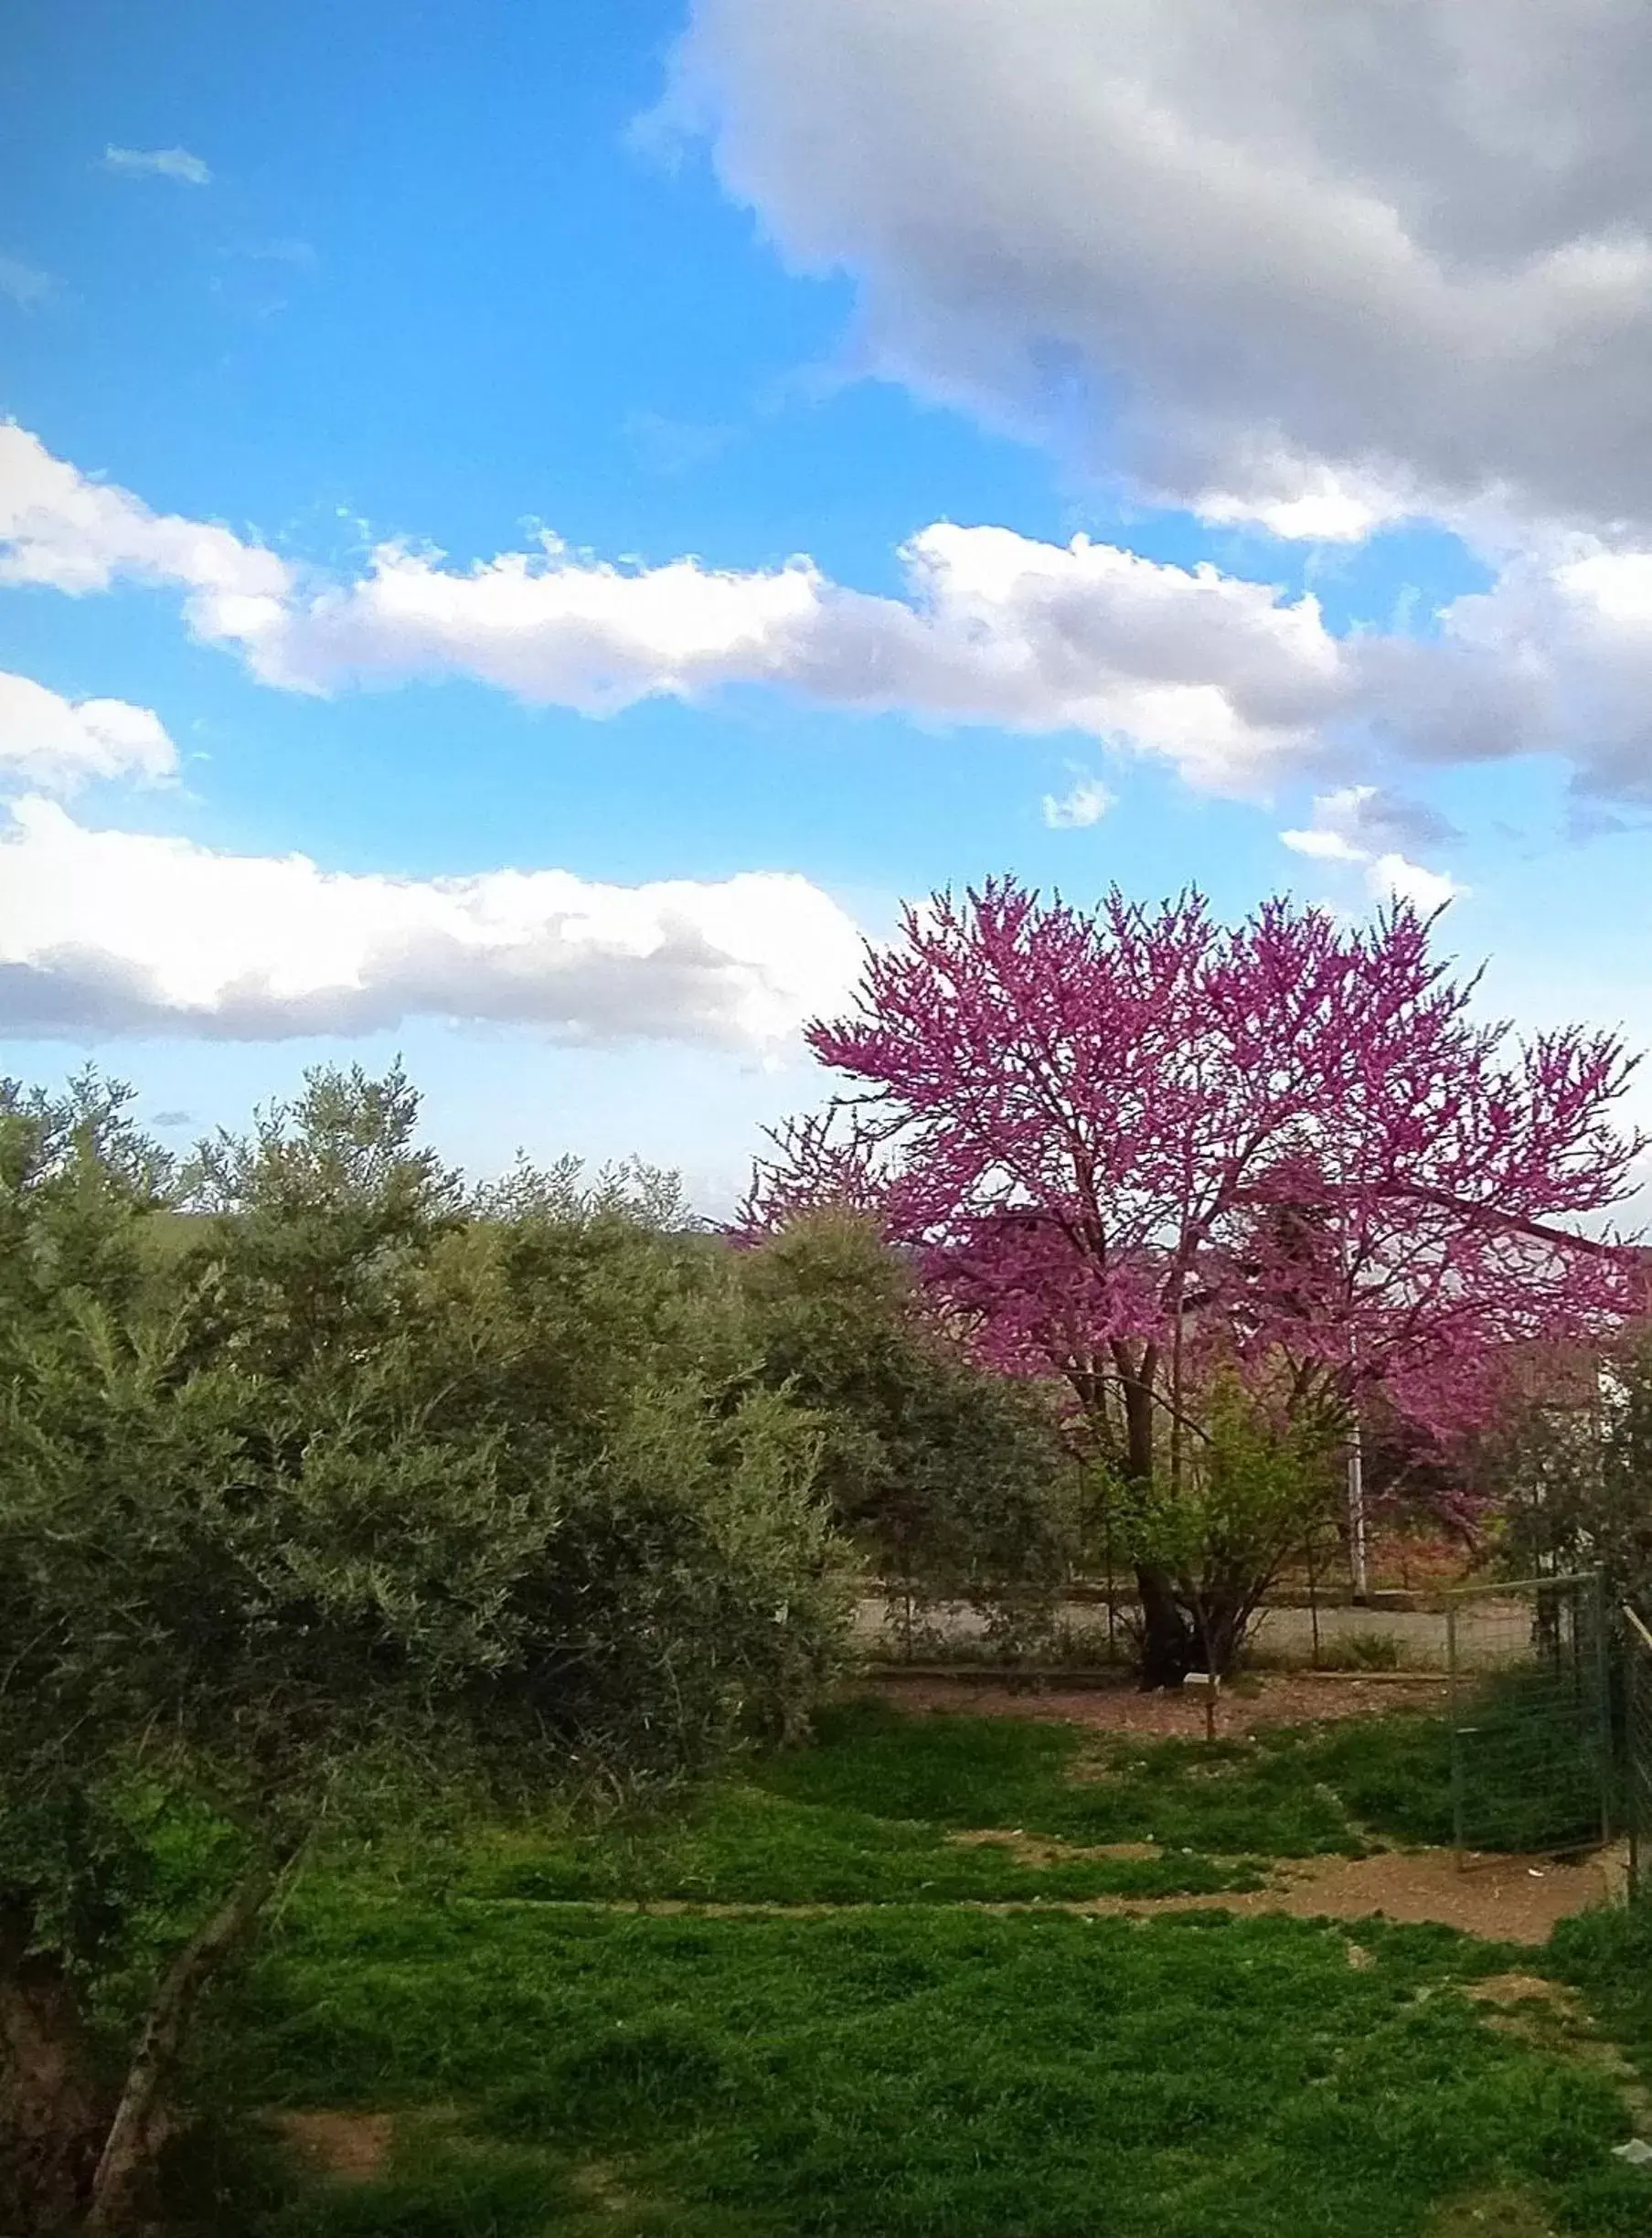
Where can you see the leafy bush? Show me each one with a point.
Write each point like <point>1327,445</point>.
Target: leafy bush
<point>953,1481</point>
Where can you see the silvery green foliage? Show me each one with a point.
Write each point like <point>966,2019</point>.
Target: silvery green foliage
<point>320,1497</point>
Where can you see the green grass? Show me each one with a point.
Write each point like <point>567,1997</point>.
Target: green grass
<point>1230,1796</point>
<point>1530,1781</point>
<point>910,2067</point>
<point>864,1814</point>
<point>1608,1956</point>
<point>743,1845</point>
<point>917,2072</point>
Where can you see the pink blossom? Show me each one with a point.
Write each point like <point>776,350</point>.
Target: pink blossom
<point>1120,1145</point>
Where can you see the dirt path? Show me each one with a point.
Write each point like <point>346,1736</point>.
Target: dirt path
<point>1506,1899</point>
<point>1118,1706</point>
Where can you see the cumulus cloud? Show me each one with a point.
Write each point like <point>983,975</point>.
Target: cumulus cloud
<point>1391,878</point>
<point>174,162</point>
<point>1226,678</point>
<point>1085,801</point>
<point>46,740</point>
<point>63,528</point>
<point>1362,824</point>
<point>1310,265</point>
<point>120,932</point>
<point>1558,654</point>
<point>1359,820</point>
<point>1232,681</point>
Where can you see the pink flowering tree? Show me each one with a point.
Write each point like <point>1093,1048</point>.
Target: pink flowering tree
<point>1138,1149</point>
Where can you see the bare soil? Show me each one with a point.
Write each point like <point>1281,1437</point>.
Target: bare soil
<point>1509,1899</point>
<point>1038,1850</point>
<point>601,2182</point>
<point>1506,1899</point>
<point>351,2148</point>
<point>1553,2017</point>
<point>1294,1699</point>
<point>1492,2214</point>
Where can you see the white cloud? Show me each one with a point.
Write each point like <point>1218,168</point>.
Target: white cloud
<point>120,932</point>
<point>1556,657</point>
<point>1358,823</point>
<point>1322,845</point>
<point>60,527</point>
<point>1085,801</point>
<point>1225,678</point>
<point>1359,820</point>
<point>1230,680</point>
<point>46,740</point>
<point>173,163</point>
<point>23,285</point>
<point>1391,878</point>
<point>1314,265</point>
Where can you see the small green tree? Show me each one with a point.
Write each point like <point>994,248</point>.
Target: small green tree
<point>1255,1486</point>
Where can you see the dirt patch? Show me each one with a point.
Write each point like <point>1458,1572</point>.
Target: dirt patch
<point>599,2182</point>
<point>1553,2017</point>
<point>1516,1900</point>
<point>1491,2214</point>
<point>1503,1990</point>
<point>1050,1849</point>
<point>351,2148</point>
<point>1293,1698</point>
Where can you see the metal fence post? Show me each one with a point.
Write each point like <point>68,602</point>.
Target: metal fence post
<point>1631,1729</point>
<point>1602,1702</point>
<point>1637,1743</point>
<point>1453,1691</point>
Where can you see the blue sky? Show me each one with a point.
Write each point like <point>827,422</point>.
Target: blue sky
<point>444,278</point>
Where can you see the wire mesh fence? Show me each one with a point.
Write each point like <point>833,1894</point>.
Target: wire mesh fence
<point>1529,1668</point>
<point>1636,1787</point>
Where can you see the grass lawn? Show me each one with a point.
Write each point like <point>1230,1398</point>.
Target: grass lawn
<point>908,2066</point>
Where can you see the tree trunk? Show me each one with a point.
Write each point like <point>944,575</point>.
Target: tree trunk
<point>1137,1392</point>
<point>1168,1643</point>
<point>1169,1650</point>
<point>144,2118</point>
<point>50,2116</point>
<point>1222,1616</point>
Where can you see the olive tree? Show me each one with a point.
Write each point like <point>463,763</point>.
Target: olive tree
<point>300,1517</point>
